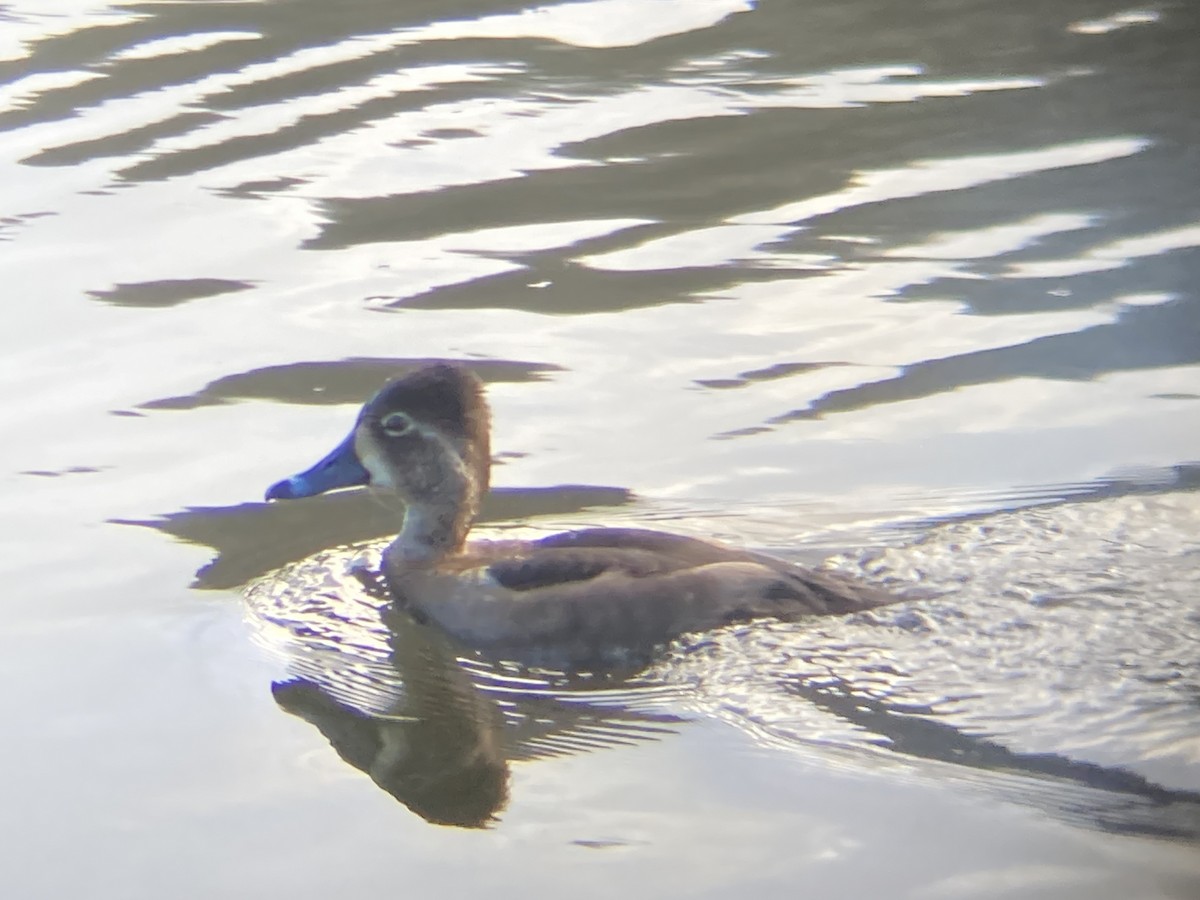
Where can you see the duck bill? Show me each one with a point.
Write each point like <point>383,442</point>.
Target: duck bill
<point>340,469</point>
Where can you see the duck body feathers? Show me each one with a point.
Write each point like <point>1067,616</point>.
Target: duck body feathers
<point>601,595</point>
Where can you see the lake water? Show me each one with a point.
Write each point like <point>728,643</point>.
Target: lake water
<point>909,288</point>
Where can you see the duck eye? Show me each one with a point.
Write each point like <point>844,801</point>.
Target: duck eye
<point>396,423</point>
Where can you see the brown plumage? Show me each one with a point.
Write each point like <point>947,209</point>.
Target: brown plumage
<point>594,597</point>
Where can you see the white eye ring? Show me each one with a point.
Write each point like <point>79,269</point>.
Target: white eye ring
<point>396,423</point>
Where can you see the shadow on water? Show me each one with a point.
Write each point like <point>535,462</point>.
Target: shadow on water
<point>168,292</point>
<point>1103,797</point>
<point>1134,341</point>
<point>339,382</point>
<point>252,539</point>
<point>570,289</point>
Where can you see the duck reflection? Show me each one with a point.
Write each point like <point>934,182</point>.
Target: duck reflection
<point>438,749</point>
<point>449,769</point>
<point>396,701</point>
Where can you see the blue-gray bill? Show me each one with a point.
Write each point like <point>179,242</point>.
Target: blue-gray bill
<point>340,469</point>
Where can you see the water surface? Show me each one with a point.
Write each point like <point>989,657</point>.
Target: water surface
<point>909,289</point>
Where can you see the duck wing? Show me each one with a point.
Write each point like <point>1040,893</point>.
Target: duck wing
<point>782,589</point>
<point>557,561</point>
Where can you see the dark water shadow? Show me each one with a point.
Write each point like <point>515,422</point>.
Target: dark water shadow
<point>1100,797</point>
<point>167,292</point>
<point>551,283</point>
<point>280,31</point>
<point>769,373</point>
<point>344,381</point>
<point>1141,338</point>
<point>251,539</point>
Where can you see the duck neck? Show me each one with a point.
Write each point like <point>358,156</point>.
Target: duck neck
<point>438,516</point>
<point>430,533</point>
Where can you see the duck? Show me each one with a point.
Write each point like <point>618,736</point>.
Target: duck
<point>582,598</point>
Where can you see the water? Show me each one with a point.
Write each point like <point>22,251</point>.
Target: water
<point>911,290</point>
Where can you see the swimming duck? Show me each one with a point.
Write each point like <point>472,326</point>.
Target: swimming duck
<point>579,598</point>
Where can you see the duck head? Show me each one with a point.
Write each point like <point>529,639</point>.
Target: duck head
<point>425,438</point>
